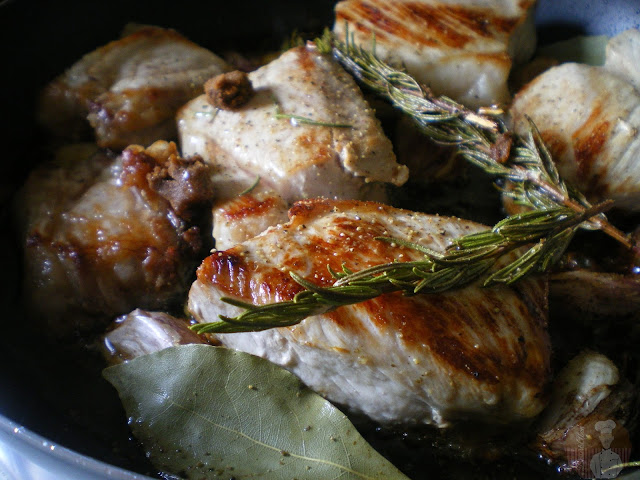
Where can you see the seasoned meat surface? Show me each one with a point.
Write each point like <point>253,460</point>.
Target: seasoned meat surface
<point>460,48</point>
<point>99,241</point>
<point>590,120</point>
<point>474,353</point>
<point>246,216</point>
<point>346,156</point>
<point>130,89</point>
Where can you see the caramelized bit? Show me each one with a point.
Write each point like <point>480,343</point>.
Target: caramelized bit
<point>184,182</point>
<point>229,91</point>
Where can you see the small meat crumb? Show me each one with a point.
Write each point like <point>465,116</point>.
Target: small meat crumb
<point>229,91</point>
<point>184,182</point>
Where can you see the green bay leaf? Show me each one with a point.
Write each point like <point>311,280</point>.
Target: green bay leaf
<point>209,412</point>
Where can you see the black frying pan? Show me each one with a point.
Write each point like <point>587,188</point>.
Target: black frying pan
<point>38,39</point>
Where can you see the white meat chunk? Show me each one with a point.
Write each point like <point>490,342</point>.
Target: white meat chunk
<point>475,353</point>
<point>347,156</point>
<point>587,392</point>
<point>590,119</point>
<point>103,235</point>
<point>140,332</point>
<point>463,49</point>
<point>246,216</point>
<point>623,56</point>
<point>580,387</point>
<point>130,89</point>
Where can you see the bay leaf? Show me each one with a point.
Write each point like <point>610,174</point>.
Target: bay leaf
<point>208,412</point>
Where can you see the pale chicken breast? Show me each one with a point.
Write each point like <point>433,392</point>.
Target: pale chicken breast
<point>103,235</point>
<point>246,216</point>
<point>295,159</point>
<point>590,120</point>
<point>130,89</point>
<point>463,49</point>
<point>480,354</point>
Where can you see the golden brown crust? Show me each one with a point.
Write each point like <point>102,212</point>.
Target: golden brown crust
<point>447,25</point>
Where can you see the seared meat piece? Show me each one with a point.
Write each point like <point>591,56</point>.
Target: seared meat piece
<point>460,48</point>
<point>293,158</point>
<point>590,120</point>
<point>473,353</point>
<point>99,240</point>
<point>246,216</point>
<point>129,89</point>
<point>587,391</point>
<point>141,332</point>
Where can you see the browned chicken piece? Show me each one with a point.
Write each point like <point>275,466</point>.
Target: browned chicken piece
<point>306,132</point>
<point>246,216</point>
<point>141,332</point>
<point>463,49</point>
<point>103,235</point>
<point>476,353</point>
<point>589,118</point>
<point>130,89</point>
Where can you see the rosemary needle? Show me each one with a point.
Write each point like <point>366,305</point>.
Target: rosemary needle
<point>542,234</point>
<point>300,120</point>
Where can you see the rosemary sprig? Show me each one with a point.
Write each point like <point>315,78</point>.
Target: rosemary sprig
<point>468,258</point>
<point>541,235</point>
<point>481,137</point>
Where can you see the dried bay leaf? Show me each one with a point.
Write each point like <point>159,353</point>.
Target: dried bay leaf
<point>205,412</point>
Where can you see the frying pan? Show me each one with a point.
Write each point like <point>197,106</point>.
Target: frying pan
<point>38,39</point>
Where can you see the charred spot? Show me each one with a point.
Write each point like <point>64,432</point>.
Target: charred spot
<point>384,22</point>
<point>220,263</point>
<point>244,279</point>
<point>588,142</point>
<point>248,206</point>
<point>379,19</point>
<point>440,22</point>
